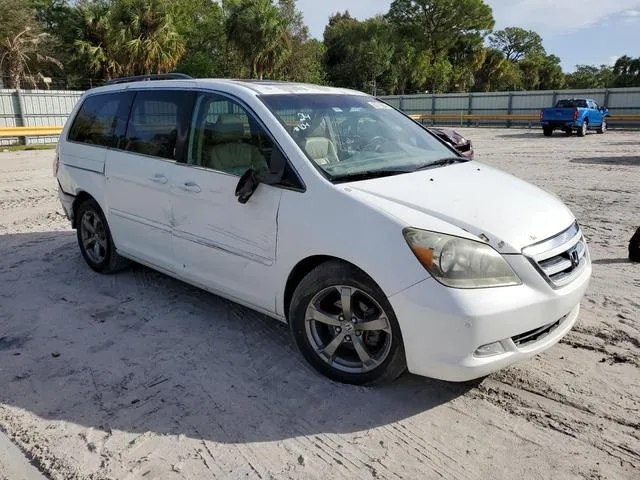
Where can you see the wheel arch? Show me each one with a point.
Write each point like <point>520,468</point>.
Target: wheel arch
<point>304,267</point>
<point>81,197</point>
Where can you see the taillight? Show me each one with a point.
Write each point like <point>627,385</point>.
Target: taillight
<point>541,114</point>
<point>576,114</point>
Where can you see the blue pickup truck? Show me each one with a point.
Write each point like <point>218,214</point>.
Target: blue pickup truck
<point>575,114</point>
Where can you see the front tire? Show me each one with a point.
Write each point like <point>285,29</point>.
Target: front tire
<point>345,327</point>
<point>94,239</point>
<point>547,131</point>
<point>603,127</point>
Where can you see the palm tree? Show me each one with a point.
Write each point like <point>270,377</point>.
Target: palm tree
<point>94,44</point>
<point>129,37</point>
<point>259,33</point>
<point>145,37</point>
<point>20,52</point>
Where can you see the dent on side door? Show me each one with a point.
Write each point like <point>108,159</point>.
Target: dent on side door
<point>222,243</point>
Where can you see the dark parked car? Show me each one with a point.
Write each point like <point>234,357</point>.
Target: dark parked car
<point>453,138</point>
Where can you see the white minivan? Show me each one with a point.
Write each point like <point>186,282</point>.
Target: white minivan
<point>381,247</point>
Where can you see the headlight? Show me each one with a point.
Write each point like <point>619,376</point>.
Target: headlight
<point>460,262</point>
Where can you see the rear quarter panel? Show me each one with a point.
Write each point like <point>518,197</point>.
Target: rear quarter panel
<point>81,166</point>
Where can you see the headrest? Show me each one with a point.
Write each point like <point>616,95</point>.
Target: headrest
<point>230,125</point>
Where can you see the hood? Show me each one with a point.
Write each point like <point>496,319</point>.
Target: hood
<point>474,197</point>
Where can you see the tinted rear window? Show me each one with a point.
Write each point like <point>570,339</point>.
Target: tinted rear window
<point>571,104</point>
<point>96,121</point>
<point>157,119</point>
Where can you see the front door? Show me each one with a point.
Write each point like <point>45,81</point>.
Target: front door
<point>218,242</point>
<point>139,176</point>
<point>595,115</point>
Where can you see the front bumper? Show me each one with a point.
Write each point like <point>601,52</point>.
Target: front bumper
<point>442,327</point>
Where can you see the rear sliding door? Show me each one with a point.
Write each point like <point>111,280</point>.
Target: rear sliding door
<point>138,175</point>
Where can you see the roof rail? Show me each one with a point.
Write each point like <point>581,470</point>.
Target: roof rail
<point>141,78</point>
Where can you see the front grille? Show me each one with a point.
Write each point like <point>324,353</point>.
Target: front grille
<point>561,258</point>
<point>537,334</point>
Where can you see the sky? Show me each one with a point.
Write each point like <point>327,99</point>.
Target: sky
<point>592,32</point>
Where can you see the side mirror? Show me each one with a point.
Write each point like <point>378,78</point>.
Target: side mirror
<point>247,185</point>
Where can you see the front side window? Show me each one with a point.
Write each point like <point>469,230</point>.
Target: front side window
<point>226,138</point>
<point>349,136</point>
<point>157,118</point>
<point>96,121</point>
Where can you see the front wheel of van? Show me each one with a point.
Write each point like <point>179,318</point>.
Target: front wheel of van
<point>345,327</point>
<point>94,239</point>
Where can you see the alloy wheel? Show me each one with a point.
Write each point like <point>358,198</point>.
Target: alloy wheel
<point>348,329</point>
<point>94,238</point>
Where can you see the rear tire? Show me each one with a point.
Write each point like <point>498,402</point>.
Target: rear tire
<point>602,128</point>
<point>365,349</point>
<point>582,131</point>
<point>547,131</point>
<point>94,239</point>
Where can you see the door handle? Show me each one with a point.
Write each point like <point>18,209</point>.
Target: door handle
<point>191,187</point>
<point>159,178</point>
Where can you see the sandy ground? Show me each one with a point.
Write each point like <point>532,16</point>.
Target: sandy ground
<point>13,464</point>
<point>137,375</point>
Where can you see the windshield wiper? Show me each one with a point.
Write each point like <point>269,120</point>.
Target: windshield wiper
<point>367,174</point>
<point>441,163</point>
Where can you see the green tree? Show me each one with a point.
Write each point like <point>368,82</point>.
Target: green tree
<point>409,67</point>
<point>258,32</point>
<point>449,32</point>
<point>497,73</point>
<point>358,54</point>
<point>24,47</point>
<point>304,62</point>
<point>128,37</point>
<point>542,72</point>
<point>627,72</point>
<point>590,76</point>
<point>201,24</point>
<point>146,39</point>
<point>61,19</point>
<point>439,24</point>
<point>466,57</point>
<point>94,48</point>
<point>516,43</point>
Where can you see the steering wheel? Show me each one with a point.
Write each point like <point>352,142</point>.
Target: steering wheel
<point>375,144</point>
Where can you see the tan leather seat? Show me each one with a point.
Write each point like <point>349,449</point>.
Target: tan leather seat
<point>227,150</point>
<point>322,150</point>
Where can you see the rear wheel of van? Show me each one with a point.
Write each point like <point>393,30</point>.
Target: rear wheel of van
<point>603,127</point>
<point>94,239</point>
<point>582,131</point>
<point>547,131</point>
<point>345,327</point>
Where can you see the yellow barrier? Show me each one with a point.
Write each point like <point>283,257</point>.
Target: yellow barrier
<point>506,118</point>
<point>52,131</point>
<point>29,131</point>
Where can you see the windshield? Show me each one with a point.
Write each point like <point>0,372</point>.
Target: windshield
<point>350,136</point>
